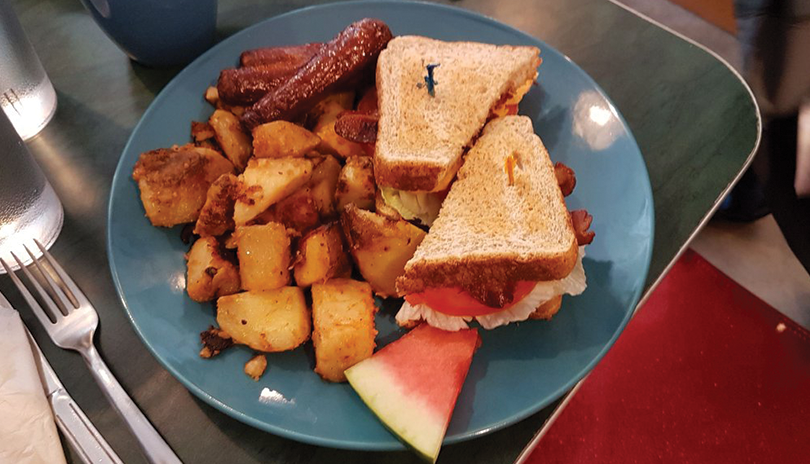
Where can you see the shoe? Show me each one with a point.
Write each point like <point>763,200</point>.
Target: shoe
<point>745,203</point>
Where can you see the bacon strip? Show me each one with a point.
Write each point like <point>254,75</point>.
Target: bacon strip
<point>368,104</point>
<point>566,178</point>
<point>357,127</point>
<point>345,58</point>
<point>582,221</point>
<point>360,126</point>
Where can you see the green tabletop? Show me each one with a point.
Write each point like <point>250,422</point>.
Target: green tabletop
<point>693,118</point>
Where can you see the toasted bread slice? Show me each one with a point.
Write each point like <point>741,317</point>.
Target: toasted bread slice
<point>491,233</point>
<point>548,309</point>
<point>421,138</point>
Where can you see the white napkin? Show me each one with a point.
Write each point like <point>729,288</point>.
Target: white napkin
<point>27,429</point>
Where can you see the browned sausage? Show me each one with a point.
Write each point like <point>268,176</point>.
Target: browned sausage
<point>343,59</point>
<point>246,86</point>
<point>274,55</point>
<point>264,70</point>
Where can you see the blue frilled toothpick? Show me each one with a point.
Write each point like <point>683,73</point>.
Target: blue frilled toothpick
<point>430,82</point>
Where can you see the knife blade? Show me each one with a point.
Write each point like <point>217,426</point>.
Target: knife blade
<point>71,420</point>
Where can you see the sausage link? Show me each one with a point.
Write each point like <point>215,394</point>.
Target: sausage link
<point>273,55</point>
<point>343,59</point>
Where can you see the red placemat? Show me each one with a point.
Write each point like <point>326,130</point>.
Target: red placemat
<point>705,372</point>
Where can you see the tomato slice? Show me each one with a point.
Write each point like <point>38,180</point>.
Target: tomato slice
<point>512,110</point>
<point>457,302</point>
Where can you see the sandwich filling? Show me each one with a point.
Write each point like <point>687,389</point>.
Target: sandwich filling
<point>452,309</point>
<point>412,206</point>
<point>508,104</point>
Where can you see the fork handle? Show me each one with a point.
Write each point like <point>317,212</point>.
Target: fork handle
<point>152,445</point>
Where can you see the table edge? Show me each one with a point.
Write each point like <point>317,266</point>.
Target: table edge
<point>529,448</point>
<point>739,175</point>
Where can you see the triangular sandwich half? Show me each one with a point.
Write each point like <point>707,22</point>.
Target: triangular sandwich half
<point>425,125</point>
<point>503,247</point>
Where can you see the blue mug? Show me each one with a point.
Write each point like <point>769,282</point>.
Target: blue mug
<point>157,33</point>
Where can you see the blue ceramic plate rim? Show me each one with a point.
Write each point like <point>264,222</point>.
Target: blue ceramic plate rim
<point>121,174</point>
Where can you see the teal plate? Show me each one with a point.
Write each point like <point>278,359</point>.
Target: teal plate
<point>519,368</point>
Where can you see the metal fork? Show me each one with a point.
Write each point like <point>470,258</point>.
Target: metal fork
<point>75,325</point>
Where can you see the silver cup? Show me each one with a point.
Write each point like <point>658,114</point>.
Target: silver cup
<point>29,208</point>
<point>26,94</point>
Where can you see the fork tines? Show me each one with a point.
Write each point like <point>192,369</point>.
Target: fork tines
<point>60,302</point>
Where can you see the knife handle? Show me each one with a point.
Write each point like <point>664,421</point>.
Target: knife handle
<point>80,432</point>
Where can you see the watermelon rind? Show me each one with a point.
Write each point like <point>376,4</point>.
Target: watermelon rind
<point>401,416</point>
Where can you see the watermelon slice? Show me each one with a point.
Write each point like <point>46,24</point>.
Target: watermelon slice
<point>413,383</point>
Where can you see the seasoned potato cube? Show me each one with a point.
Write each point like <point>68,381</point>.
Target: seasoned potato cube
<point>278,139</point>
<point>212,95</point>
<point>343,326</point>
<point>356,183</point>
<point>381,207</point>
<point>204,136</point>
<point>201,131</point>
<point>266,181</point>
<point>256,366</point>
<point>234,141</point>
<point>268,320</point>
<point>321,256</point>
<point>216,215</point>
<point>298,212</point>
<point>264,256</point>
<point>342,100</point>
<point>229,241</point>
<point>380,246</point>
<point>330,141</point>
<point>174,182</point>
<point>324,182</point>
<point>210,275</point>
<point>334,144</point>
<point>237,111</point>
<point>210,144</point>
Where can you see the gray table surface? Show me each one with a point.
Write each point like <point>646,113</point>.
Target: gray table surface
<point>694,120</point>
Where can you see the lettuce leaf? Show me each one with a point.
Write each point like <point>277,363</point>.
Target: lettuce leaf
<point>423,206</point>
